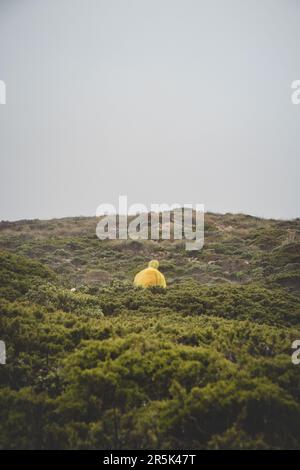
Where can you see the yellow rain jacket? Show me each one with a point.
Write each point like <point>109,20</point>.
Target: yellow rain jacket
<point>150,276</point>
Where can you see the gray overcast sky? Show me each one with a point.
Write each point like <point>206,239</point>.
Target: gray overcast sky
<point>184,101</point>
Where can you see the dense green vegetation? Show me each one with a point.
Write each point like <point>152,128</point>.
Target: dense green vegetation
<point>205,363</point>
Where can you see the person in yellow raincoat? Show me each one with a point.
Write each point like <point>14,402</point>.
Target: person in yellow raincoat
<point>150,276</point>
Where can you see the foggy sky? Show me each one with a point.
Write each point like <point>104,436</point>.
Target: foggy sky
<point>165,101</point>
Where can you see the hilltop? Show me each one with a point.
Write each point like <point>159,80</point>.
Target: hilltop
<point>204,364</point>
<point>238,249</point>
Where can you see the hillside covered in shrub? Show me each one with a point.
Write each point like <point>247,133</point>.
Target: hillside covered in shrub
<point>95,363</point>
